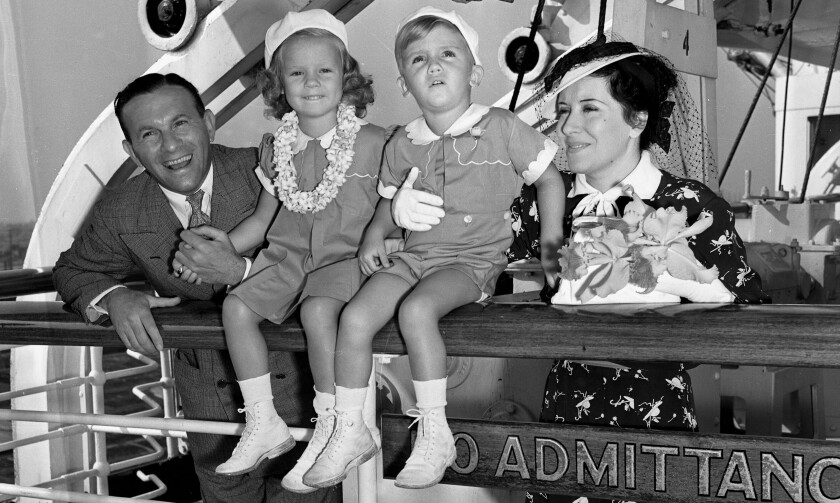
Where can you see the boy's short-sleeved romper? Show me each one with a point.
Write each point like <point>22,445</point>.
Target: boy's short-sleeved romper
<point>477,166</point>
<point>313,254</point>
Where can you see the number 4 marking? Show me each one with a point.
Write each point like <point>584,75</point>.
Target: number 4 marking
<point>685,43</point>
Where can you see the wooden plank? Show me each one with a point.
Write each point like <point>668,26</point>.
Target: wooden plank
<point>785,335</point>
<point>625,464</point>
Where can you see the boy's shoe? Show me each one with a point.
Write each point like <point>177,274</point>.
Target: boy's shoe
<point>433,452</point>
<point>293,481</point>
<point>351,444</point>
<point>266,436</point>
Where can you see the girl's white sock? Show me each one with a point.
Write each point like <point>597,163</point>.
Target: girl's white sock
<point>256,389</point>
<point>430,394</point>
<point>322,402</point>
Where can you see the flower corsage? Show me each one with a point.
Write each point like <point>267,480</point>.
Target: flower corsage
<point>611,256</point>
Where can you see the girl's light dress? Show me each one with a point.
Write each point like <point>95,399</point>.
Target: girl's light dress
<point>313,254</point>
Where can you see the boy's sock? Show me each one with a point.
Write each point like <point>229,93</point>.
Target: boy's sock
<point>430,394</point>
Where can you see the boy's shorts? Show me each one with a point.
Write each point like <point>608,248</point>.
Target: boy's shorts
<point>412,268</point>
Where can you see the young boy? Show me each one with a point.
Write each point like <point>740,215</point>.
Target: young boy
<point>475,158</point>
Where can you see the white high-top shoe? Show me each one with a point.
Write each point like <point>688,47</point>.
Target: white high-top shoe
<point>351,444</point>
<point>266,436</point>
<point>433,452</point>
<point>324,425</point>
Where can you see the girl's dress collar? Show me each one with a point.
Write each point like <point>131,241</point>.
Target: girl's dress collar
<point>325,139</point>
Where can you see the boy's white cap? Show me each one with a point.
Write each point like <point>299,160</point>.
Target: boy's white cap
<point>294,22</point>
<point>467,31</point>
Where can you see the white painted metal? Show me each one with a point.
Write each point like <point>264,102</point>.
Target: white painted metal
<point>804,97</point>
<point>71,496</point>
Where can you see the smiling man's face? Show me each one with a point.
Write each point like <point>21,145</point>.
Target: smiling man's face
<point>169,137</point>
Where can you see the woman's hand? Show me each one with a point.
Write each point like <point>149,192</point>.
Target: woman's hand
<point>551,268</point>
<point>693,290</point>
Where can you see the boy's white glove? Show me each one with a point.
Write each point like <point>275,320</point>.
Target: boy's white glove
<point>414,209</point>
<point>692,290</point>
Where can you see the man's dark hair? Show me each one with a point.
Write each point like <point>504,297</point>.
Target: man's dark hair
<point>150,83</point>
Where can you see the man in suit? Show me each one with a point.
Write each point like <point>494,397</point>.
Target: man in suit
<point>136,229</point>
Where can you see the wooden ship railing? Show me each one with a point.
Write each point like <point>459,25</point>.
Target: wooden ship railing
<point>627,464</point>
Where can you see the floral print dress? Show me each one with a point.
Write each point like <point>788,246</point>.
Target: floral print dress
<point>630,394</point>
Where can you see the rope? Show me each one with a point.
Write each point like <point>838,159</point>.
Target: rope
<point>785,108</point>
<point>602,14</point>
<point>757,95</point>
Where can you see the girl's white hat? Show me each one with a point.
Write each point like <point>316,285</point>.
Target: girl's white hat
<point>467,31</point>
<point>294,22</point>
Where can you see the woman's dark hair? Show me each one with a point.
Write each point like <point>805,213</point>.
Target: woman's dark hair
<point>640,84</point>
<point>357,89</point>
<point>149,83</point>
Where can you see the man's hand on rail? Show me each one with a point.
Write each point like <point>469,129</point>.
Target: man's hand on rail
<point>414,209</point>
<point>131,314</point>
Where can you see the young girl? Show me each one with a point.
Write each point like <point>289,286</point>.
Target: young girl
<point>475,158</point>
<point>327,162</point>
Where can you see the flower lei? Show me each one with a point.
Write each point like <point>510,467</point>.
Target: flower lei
<point>634,249</point>
<point>339,157</point>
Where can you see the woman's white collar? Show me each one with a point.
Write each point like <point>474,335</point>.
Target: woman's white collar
<point>420,134</point>
<point>644,179</point>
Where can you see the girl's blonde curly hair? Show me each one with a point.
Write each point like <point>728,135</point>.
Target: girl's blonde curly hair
<point>357,89</point>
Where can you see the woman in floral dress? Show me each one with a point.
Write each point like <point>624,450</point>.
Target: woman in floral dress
<point>614,104</point>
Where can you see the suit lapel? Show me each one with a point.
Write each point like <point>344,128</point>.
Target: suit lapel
<point>228,207</point>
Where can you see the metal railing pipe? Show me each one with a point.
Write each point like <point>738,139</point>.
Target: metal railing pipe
<point>163,424</point>
<point>100,445</point>
<point>140,392</point>
<point>160,486</point>
<point>69,496</point>
<point>158,453</point>
<point>68,478</point>
<point>150,432</point>
<point>53,386</point>
<point>76,429</point>
<point>170,408</point>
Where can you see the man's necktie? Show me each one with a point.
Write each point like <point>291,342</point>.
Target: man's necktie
<point>198,217</point>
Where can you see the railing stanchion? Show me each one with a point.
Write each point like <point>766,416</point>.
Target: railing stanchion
<point>97,386</point>
<point>169,407</point>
